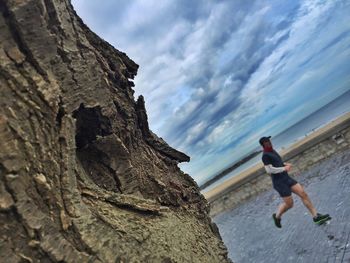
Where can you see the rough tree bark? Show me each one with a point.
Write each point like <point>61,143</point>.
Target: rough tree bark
<point>82,178</point>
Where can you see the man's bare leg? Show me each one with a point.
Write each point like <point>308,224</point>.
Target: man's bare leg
<point>286,205</point>
<point>299,190</point>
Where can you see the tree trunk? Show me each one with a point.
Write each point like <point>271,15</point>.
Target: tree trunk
<point>82,178</point>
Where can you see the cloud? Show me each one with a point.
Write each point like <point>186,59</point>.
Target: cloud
<point>218,74</point>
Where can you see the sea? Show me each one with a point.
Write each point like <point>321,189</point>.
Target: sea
<point>296,132</point>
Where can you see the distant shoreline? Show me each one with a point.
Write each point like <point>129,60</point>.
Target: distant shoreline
<point>210,182</point>
<point>293,150</point>
<point>229,169</point>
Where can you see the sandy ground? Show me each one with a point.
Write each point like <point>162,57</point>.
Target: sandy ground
<point>251,236</point>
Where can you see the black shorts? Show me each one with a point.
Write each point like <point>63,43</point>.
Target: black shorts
<point>283,185</point>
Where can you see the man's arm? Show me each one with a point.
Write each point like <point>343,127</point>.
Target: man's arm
<point>274,170</point>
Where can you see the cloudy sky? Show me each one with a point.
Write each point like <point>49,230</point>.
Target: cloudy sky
<point>216,75</point>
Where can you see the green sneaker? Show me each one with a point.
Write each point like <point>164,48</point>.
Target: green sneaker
<point>320,219</point>
<point>277,221</point>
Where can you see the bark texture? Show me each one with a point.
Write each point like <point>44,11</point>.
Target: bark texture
<point>82,177</point>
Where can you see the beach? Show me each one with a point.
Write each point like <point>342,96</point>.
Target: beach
<point>327,135</point>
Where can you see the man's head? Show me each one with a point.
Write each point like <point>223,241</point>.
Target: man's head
<point>265,142</point>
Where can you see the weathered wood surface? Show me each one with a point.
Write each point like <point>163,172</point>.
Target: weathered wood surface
<point>82,178</point>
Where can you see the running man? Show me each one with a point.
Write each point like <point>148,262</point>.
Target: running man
<point>285,185</point>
